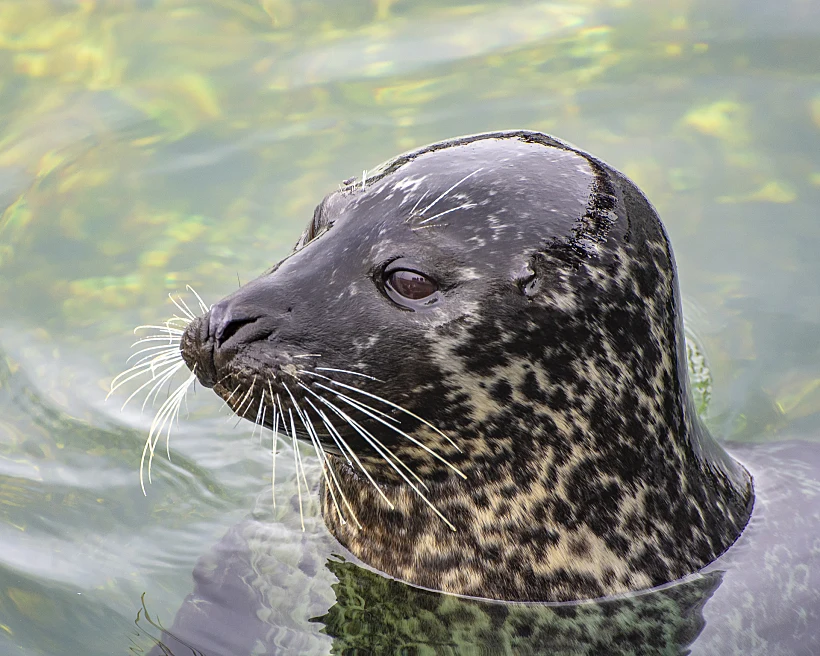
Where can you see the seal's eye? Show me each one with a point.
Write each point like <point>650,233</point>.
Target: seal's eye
<point>411,285</point>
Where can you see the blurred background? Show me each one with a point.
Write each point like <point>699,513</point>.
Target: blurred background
<point>150,144</point>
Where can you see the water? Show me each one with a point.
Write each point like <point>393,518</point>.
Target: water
<point>149,145</point>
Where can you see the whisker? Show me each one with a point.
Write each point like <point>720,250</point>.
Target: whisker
<point>364,433</point>
<point>308,355</point>
<point>175,417</point>
<point>298,412</point>
<point>317,447</point>
<point>164,417</point>
<point>371,439</point>
<point>375,397</point>
<point>333,433</point>
<point>259,413</point>
<point>154,375</point>
<point>298,460</point>
<point>427,227</point>
<point>135,372</point>
<point>169,341</point>
<point>431,205</point>
<point>157,359</point>
<point>169,353</point>
<point>274,438</point>
<point>347,371</point>
<point>247,398</point>
<point>155,390</point>
<point>166,348</point>
<point>329,464</point>
<point>189,312</point>
<point>202,305</point>
<point>182,308</point>
<point>230,396</point>
<point>358,406</point>
<point>166,410</point>
<point>465,206</point>
<point>370,408</point>
<point>332,429</point>
<point>157,379</point>
<point>421,198</point>
<point>165,328</point>
<point>385,452</point>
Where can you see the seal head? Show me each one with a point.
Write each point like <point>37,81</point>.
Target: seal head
<point>483,340</point>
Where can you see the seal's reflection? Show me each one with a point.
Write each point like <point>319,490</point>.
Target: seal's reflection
<point>244,604</point>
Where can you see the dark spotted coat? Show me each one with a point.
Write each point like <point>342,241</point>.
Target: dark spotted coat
<point>550,362</point>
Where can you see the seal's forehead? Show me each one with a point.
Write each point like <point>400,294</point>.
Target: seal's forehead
<point>539,189</point>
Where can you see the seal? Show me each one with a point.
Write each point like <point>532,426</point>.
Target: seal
<point>483,340</point>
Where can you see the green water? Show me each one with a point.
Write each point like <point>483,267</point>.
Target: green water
<point>146,145</point>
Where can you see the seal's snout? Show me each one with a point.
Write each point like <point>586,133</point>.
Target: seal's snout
<point>211,343</point>
<point>197,350</point>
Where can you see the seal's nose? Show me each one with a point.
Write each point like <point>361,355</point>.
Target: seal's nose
<point>226,318</point>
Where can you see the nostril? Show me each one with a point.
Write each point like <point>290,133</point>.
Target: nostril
<point>224,322</point>
<point>229,328</point>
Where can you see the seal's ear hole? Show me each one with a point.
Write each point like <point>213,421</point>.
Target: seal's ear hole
<point>527,280</point>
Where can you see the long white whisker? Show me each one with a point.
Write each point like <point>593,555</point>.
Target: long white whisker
<point>333,432</point>
<point>376,443</point>
<point>317,447</point>
<point>329,464</point>
<point>175,417</point>
<point>248,398</point>
<point>298,460</point>
<point>168,341</point>
<point>274,438</point>
<point>147,362</point>
<point>230,396</point>
<point>172,367</point>
<point>150,443</point>
<point>342,441</point>
<point>431,205</point>
<point>182,308</point>
<point>165,328</point>
<point>155,360</point>
<point>155,390</point>
<point>163,348</point>
<point>162,417</point>
<point>372,409</point>
<point>347,371</point>
<point>157,379</point>
<point>421,198</point>
<point>133,372</point>
<point>358,406</point>
<point>189,312</point>
<point>372,440</point>
<point>390,403</point>
<point>364,433</point>
<point>465,206</point>
<point>259,413</point>
<point>202,305</point>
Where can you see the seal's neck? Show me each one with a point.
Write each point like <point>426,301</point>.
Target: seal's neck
<point>555,527</point>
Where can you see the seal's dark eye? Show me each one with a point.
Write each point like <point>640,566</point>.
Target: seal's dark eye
<point>411,284</point>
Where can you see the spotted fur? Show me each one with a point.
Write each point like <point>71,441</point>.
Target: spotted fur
<point>552,367</point>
